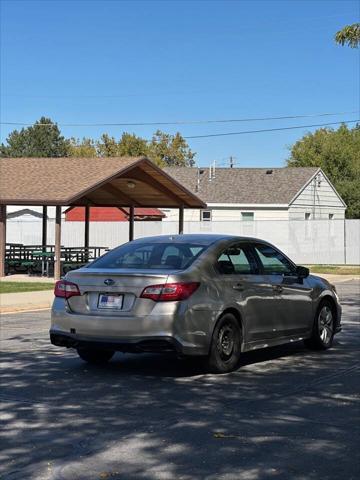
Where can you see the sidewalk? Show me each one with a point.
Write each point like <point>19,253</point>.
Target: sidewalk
<point>17,302</point>
<point>333,278</point>
<point>22,277</point>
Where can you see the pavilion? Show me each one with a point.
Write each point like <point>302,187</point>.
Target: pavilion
<point>107,182</point>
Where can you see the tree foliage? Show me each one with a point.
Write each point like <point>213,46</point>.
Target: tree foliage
<point>163,149</point>
<point>349,35</point>
<point>132,146</point>
<point>82,148</point>
<point>170,150</point>
<point>43,139</point>
<point>129,145</point>
<point>337,152</point>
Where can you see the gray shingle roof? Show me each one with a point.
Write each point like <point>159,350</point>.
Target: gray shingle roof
<point>245,185</point>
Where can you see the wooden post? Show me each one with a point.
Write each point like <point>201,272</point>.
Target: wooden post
<point>57,268</point>
<point>131,223</point>
<point>87,232</point>
<point>181,220</point>
<point>44,229</point>
<point>44,262</point>
<point>2,239</point>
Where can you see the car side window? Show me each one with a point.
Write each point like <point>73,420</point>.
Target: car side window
<point>273,261</point>
<point>235,260</point>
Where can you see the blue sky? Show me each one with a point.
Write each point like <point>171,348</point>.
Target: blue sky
<point>143,61</point>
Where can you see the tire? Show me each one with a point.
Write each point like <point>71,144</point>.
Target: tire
<point>95,356</point>
<point>225,349</point>
<point>324,327</point>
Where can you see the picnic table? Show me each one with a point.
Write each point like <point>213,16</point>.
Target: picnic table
<point>46,259</point>
<point>39,259</point>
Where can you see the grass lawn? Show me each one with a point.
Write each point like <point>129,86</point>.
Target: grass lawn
<point>15,287</point>
<point>335,269</point>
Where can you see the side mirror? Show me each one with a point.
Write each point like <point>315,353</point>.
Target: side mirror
<point>302,272</point>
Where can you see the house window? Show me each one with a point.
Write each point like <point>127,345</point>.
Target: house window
<point>247,216</point>
<point>205,215</point>
<point>307,216</point>
<point>331,216</point>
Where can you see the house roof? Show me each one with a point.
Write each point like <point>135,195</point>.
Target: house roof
<point>24,211</point>
<point>245,185</point>
<point>146,212</point>
<point>121,181</point>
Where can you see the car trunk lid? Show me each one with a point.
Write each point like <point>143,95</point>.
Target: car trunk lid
<point>113,292</point>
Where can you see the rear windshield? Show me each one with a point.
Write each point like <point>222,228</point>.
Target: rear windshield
<point>149,256</point>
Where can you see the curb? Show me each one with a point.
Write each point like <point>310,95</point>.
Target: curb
<point>23,308</point>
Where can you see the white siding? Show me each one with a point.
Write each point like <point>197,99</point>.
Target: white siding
<point>318,199</point>
<point>228,214</point>
<point>321,213</point>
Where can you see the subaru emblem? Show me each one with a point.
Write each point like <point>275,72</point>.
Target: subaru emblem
<point>109,281</point>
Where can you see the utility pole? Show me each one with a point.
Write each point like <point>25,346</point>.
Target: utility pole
<point>314,197</point>
<point>316,185</point>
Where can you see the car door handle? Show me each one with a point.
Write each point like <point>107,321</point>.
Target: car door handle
<point>238,286</point>
<point>277,288</point>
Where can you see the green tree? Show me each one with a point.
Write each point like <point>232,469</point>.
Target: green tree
<point>337,152</point>
<point>107,146</point>
<point>163,149</point>
<point>170,150</point>
<point>349,35</point>
<point>43,139</point>
<point>86,147</point>
<point>132,146</point>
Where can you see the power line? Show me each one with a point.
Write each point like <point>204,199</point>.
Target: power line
<point>180,122</point>
<point>270,129</point>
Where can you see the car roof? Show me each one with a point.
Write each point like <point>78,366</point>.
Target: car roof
<point>198,238</point>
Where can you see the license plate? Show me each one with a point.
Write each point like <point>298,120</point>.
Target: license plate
<point>110,301</point>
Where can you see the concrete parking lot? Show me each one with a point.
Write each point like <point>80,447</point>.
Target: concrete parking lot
<point>287,413</point>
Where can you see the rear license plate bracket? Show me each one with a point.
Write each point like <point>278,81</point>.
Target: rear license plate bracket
<point>110,301</point>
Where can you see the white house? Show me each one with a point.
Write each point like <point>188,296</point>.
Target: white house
<point>246,194</point>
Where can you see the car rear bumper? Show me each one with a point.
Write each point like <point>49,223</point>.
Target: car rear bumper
<point>132,345</point>
<point>158,332</point>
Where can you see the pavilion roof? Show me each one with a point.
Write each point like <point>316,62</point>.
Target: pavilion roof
<point>112,181</point>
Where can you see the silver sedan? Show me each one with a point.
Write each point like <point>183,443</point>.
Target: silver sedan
<point>213,296</point>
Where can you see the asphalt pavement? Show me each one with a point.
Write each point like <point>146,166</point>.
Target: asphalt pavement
<point>286,413</point>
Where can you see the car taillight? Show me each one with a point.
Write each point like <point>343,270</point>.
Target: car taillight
<point>167,292</point>
<point>66,289</point>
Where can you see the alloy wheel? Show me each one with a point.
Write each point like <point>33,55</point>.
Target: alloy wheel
<point>326,324</point>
